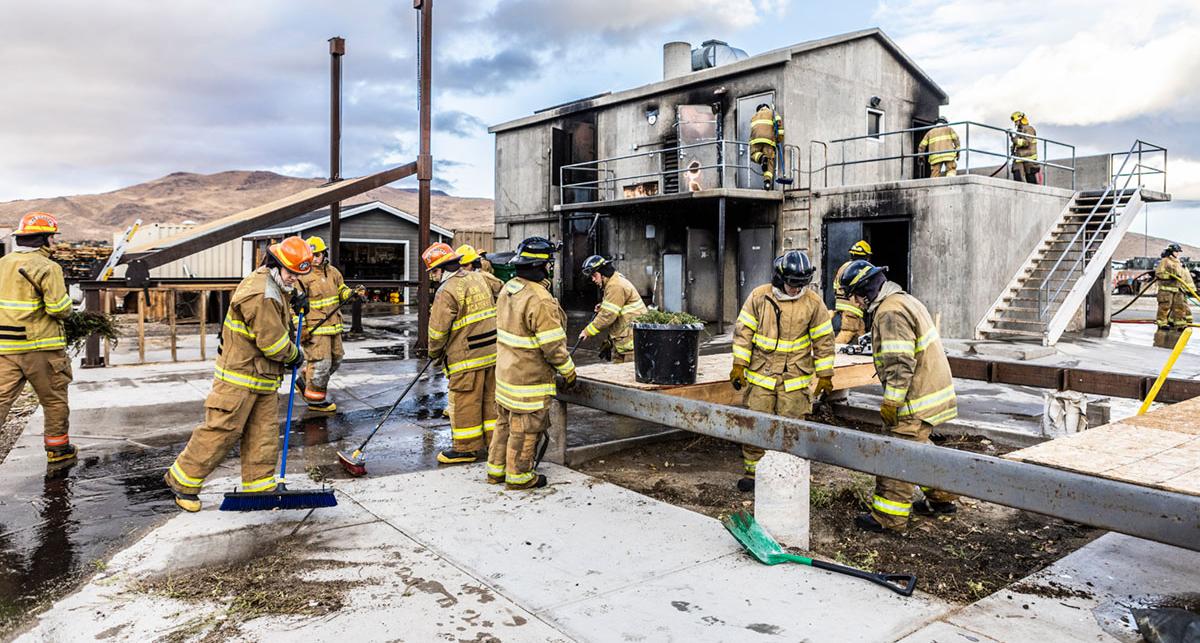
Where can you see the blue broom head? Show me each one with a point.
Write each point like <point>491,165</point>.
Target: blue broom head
<point>289,499</point>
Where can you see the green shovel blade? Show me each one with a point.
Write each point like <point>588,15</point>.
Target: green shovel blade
<point>758,542</point>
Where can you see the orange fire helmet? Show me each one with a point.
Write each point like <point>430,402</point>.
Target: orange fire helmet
<point>438,254</point>
<point>294,253</point>
<point>37,223</point>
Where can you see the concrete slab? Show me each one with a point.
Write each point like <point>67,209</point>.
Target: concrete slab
<point>1086,596</point>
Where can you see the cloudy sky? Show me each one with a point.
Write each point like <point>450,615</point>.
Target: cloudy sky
<point>99,95</point>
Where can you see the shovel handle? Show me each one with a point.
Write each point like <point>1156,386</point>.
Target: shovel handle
<point>902,584</point>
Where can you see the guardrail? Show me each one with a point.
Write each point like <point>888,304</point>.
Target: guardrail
<point>1146,154</point>
<point>710,167</point>
<point>987,140</point>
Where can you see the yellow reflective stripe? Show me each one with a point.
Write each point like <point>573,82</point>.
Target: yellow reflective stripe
<point>938,139</point>
<point>823,363</point>
<point>566,367</point>
<point>625,347</point>
<point>760,380</point>
<point>247,381</point>
<point>889,507</point>
<point>764,141</point>
<point>549,336</point>
<point>782,345</point>
<point>467,433</point>
<point>20,304</point>
<point>183,478</point>
<point>848,307</point>
<point>591,330</point>
<point>526,390</point>
<point>437,334</point>
<point>750,466</point>
<point>610,307</point>
<point>925,340</point>
<point>748,320</point>
<point>22,345</point>
<point>516,341</point>
<point>942,157</point>
<point>325,302</point>
<point>262,484</point>
<point>495,470</point>
<point>821,331</point>
<point>762,121</point>
<point>928,401</point>
<point>797,383</point>
<point>944,416</point>
<point>60,305</point>
<point>896,346</point>
<point>330,329</point>
<point>741,353</point>
<point>518,478</point>
<point>893,394</point>
<point>344,291</point>
<point>470,364</point>
<point>279,345</point>
<point>238,327</point>
<point>635,307</point>
<point>519,405</point>
<point>489,425</point>
<point>473,318</point>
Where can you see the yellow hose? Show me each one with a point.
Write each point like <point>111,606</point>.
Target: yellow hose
<point>1162,377</point>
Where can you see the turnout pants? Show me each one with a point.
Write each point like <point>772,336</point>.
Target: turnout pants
<point>232,415</point>
<point>794,404</point>
<point>764,155</point>
<point>472,408</point>
<point>513,447</point>
<point>1173,310</point>
<point>324,354</point>
<point>892,502</point>
<point>945,168</point>
<point>852,329</point>
<point>1026,172</point>
<point>49,373</point>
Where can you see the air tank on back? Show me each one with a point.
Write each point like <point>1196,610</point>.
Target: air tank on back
<point>714,53</point>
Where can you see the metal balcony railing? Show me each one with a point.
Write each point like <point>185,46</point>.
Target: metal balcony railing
<point>982,147</point>
<point>678,169</point>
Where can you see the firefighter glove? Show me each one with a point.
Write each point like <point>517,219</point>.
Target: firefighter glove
<point>824,386</point>
<point>300,302</point>
<point>889,412</point>
<point>737,376</point>
<point>566,382</point>
<point>360,291</point>
<point>296,361</point>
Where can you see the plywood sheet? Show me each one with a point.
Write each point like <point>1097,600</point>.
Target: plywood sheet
<point>1160,449</point>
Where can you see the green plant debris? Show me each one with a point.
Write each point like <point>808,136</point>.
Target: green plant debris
<point>664,317</point>
<point>83,324</point>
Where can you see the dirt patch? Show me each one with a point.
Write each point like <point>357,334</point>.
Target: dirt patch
<point>1051,589</point>
<point>272,582</point>
<point>959,558</point>
<point>18,416</point>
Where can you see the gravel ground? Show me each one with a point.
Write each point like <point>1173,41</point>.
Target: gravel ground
<point>25,405</point>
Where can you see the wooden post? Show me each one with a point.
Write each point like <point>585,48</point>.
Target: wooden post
<point>557,451</point>
<point>203,321</point>
<point>142,303</point>
<point>171,317</point>
<point>106,308</point>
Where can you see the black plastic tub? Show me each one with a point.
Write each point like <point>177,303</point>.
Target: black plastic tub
<point>666,353</point>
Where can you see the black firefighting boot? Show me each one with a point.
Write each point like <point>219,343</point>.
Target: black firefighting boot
<point>927,507</point>
<point>450,456</point>
<point>867,522</point>
<point>188,502</point>
<point>537,482</point>
<point>746,485</point>
<point>61,454</point>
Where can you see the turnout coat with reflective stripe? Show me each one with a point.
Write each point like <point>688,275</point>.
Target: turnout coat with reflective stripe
<point>620,306</point>
<point>257,337</point>
<point>326,290</point>
<point>1170,273</point>
<point>841,301</point>
<point>492,280</point>
<point>1022,146</point>
<point>763,127</point>
<point>531,345</point>
<point>941,143</point>
<point>29,320</point>
<point>783,343</point>
<point>462,323</point>
<point>909,358</point>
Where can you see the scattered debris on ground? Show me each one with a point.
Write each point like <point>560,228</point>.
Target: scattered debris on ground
<point>272,582</point>
<point>18,416</point>
<point>962,558</point>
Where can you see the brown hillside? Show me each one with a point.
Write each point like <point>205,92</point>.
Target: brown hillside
<point>183,196</point>
<point>1139,245</point>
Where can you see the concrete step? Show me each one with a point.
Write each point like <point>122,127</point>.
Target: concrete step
<point>1026,324</point>
<point>1004,332</point>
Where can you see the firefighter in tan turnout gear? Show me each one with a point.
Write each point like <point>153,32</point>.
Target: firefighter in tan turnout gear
<point>462,335</point>
<point>766,137</point>
<point>850,316</point>
<point>918,393</point>
<point>620,306</point>
<point>33,300</point>
<point>256,347</point>
<point>530,330</point>
<point>322,336</point>
<point>1024,145</point>
<point>472,261</point>
<point>1174,285</point>
<point>941,144</point>
<point>783,339</point>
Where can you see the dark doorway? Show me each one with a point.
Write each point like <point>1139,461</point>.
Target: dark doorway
<point>889,239</point>
<point>575,142</point>
<point>920,168</point>
<point>582,241</point>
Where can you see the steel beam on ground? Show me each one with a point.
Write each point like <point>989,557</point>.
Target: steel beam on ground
<point>1060,378</point>
<point>1162,516</point>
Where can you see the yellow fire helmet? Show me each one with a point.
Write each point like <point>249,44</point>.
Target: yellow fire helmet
<point>1017,116</point>
<point>317,244</point>
<point>860,249</point>
<point>467,253</point>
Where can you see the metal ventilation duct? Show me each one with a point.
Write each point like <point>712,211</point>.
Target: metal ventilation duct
<point>714,53</point>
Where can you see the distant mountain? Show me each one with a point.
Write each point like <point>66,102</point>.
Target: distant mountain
<point>183,196</point>
<point>1139,245</point>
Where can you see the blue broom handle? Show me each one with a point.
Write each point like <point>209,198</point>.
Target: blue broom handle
<point>287,427</point>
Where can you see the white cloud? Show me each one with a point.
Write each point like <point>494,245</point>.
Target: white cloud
<point>1183,179</point>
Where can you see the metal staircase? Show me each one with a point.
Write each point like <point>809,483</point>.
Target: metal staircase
<point>1051,285</point>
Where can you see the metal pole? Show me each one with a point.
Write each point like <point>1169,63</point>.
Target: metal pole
<point>91,354</point>
<point>337,49</point>
<point>720,265</point>
<point>424,165</point>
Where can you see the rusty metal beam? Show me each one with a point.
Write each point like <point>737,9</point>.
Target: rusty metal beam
<point>1072,379</point>
<point>1162,516</point>
<point>161,251</point>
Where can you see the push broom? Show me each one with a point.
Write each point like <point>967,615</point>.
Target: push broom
<point>355,463</point>
<point>281,497</point>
